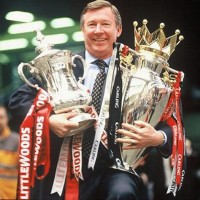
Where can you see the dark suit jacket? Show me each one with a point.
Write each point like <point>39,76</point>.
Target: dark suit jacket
<point>19,104</point>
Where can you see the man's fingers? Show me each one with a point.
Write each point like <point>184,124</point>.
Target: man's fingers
<point>131,128</point>
<point>128,143</point>
<point>126,140</point>
<point>125,132</point>
<point>70,115</point>
<point>141,123</point>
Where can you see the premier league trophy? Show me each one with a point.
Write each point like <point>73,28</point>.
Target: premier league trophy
<point>149,82</point>
<point>54,70</point>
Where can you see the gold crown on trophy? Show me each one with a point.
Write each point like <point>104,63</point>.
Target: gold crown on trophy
<point>156,42</point>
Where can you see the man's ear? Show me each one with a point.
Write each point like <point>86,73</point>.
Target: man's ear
<point>119,31</point>
<point>83,34</point>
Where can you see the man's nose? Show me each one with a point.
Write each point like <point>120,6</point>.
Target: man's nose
<point>98,28</point>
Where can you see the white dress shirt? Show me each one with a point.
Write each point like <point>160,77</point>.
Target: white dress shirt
<point>92,70</point>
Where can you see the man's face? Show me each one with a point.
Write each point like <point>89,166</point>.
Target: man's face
<point>100,32</point>
<point>3,119</point>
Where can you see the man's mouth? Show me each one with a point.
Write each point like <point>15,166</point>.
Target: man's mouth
<point>99,39</point>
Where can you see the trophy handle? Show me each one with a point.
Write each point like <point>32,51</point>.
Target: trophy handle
<point>84,66</point>
<point>23,77</point>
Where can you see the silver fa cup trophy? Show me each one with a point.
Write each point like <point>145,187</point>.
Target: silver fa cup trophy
<point>53,68</point>
<point>149,81</point>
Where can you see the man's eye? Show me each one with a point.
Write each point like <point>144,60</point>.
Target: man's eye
<point>91,25</point>
<point>106,24</point>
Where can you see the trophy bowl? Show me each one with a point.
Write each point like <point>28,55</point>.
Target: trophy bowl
<point>146,99</point>
<point>53,69</point>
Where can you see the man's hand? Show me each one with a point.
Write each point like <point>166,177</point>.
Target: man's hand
<point>139,135</point>
<point>61,125</point>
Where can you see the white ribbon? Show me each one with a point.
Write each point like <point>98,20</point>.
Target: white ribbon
<point>104,111</point>
<point>77,155</point>
<point>173,186</point>
<point>61,169</point>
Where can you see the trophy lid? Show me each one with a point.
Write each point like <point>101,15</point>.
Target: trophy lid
<point>155,44</point>
<point>44,47</point>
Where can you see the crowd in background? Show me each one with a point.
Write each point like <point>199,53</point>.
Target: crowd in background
<point>9,143</point>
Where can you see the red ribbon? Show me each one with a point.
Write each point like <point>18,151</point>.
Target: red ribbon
<point>180,146</point>
<point>175,122</point>
<point>125,50</point>
<point>34,147</point>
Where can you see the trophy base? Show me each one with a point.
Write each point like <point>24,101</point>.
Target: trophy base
<point>85,121</point>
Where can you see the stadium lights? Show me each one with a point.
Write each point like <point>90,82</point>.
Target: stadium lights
<point>26,27</point>
<point>62,22</point>
<point>13,44</point>
<point>19,16</point>
<point>54,39</point>
<point>77,36</point>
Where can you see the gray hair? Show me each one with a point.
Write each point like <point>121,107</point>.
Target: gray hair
<point>101,4</point>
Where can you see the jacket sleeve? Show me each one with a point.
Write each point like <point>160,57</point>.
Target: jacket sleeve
<point>166,149</point>
<point>21,101</point>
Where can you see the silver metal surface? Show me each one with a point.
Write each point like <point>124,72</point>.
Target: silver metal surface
<point>54,70</point>
<point>148,88</point>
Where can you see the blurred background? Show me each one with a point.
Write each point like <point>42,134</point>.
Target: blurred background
<point>59,21</point>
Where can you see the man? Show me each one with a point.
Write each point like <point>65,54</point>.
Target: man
<point>101,26</point>
<point>9,142</point>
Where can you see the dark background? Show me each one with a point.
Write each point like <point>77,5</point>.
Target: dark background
<point>176,14</point>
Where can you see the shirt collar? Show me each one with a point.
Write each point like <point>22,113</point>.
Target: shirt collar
<point>89,58</point>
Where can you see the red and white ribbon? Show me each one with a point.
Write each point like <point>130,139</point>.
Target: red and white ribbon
<point>34,147</point>
<point>173,118</point>
<point>77,155</point>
